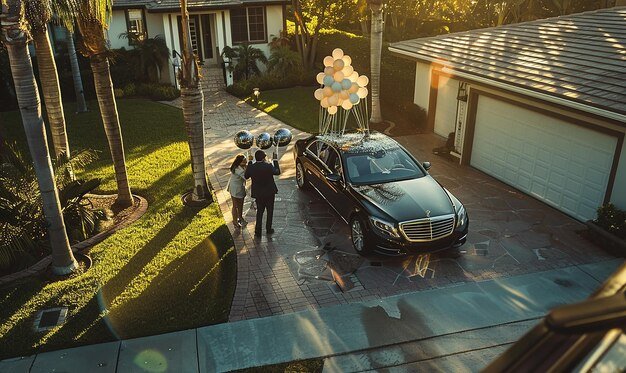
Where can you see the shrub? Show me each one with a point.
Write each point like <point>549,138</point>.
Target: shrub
<point>612,219</point>
<point>153,91</point>
<point>119,92</point>
<point>23,231</point>
<point>284,61</point>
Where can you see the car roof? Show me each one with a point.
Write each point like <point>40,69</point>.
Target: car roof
<point>360,142</point>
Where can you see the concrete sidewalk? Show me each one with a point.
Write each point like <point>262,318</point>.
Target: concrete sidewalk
<point>332,331</point>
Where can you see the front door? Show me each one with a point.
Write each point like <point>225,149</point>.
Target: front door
<point>207,40</point>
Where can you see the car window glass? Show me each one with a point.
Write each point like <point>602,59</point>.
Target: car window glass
<point>313,147</point>
<point>381,167</point>
<point>333,162</point>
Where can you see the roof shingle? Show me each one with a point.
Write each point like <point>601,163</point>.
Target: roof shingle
<point>580,57</point>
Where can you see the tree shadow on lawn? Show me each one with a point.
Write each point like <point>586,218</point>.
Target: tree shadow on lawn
<point>191,291</point>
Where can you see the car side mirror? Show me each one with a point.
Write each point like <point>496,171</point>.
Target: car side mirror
<point>426,165</point>
<point>333,178</point>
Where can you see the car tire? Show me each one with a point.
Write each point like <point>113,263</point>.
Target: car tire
<point>358,235</point>
<point>301,180</point>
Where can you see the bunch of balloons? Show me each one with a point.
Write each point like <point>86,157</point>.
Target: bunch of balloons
<point>341,85</point>
<point>245,139</point>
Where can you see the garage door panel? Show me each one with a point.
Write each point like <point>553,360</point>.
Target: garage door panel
<point>566,165</point>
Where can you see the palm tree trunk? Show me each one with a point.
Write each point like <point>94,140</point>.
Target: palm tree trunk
<point>51,91</point>
<point>376,46</point>
<point>110,119</point>
<point>81,104</point>
<point>63,261</point>
<point>193,112</point>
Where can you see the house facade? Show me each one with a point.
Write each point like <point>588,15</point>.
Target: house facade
<point>213,24</point>
<point>540,105</point>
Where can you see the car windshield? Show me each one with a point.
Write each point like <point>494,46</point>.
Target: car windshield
<point>379,167</point>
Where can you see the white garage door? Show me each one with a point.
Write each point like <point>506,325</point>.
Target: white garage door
<point>563,164</point>
<point>445,117</point>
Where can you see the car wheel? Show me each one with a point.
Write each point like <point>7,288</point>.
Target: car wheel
<point>301,176</point>
<point>357,234</point>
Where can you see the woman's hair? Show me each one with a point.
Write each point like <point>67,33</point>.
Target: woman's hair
<point>236,162</point>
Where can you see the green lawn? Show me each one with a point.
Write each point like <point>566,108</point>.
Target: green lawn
<point>173,269</point>
<point>297,107</point>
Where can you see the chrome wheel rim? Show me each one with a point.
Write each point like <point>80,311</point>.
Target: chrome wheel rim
<point>357,235</point>
<point>299,175</point>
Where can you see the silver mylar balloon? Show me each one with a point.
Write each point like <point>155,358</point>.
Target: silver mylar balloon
<point>282,137</point>
<point>244,139</point>
<point>264,141</point>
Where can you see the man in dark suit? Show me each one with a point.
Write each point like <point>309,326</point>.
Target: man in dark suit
<point>263,189</point>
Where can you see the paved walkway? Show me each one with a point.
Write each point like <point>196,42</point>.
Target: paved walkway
<point>356,337</point>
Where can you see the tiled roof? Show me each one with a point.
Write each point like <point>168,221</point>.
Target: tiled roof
<point>580,57</point>
<point>167,5</point>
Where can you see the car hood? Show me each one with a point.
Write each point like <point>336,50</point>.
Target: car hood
<point>407,199</point>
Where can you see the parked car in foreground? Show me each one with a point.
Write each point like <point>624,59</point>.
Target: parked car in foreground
<point>391,203</point>
<point>589,336</point>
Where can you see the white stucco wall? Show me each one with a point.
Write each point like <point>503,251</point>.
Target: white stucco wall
<point>618,195</point>
<point>154,24</point>
<point>422,85</point>
<point>116,27</point>
<point>445,117</point>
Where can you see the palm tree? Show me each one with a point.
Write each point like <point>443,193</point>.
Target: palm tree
<point>193,113</point>
<point>92,18</point>
<point>81,104</point>
<point>247,58</point>
<point>376,47</point>
<point>38,14</point>
<point>15,37</point>
<point>153,54</point>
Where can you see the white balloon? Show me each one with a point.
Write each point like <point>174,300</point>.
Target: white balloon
<point>332,110</point>
<point>362,92</point>
<point>362,81</point>
<point>324,102</point>
<point>319,94</point>
<point>354,76</point>
<point>346,104</point>
<point>320,78</point>
<point>347,70</point>
<point>338,76</point>
<point>337,53</point>
<point>328,61</point>
<point>347,60</point>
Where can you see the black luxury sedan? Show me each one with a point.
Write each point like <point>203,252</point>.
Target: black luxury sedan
<point>391,203</point>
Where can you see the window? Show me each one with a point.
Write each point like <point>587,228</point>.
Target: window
<point>248,24</point>
<point>135,26</point>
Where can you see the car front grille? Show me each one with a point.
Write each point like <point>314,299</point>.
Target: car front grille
<point>428,229</point>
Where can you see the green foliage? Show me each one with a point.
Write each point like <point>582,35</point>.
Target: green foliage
<point>246,59</point>
<point>284,61</point>
<point>23,236</point>
<point>153,91</point>
<point>148,56</point>
<point>612,219</point>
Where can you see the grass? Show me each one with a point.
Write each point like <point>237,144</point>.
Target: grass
<point>297,107</point>
<point>173,269</point>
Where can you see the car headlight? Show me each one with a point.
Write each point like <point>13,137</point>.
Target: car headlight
<point>385,227</point>
<point>461,215</point>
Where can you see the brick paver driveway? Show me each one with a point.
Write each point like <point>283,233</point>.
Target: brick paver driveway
<point>309,261</point>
